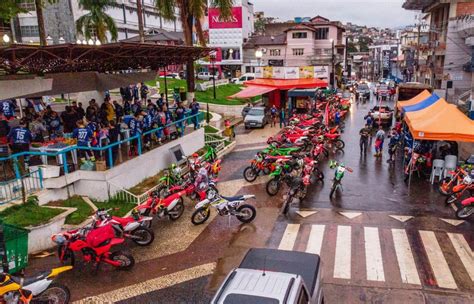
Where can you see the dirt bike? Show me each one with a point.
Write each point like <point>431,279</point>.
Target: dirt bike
<point>259,165</point>
<point>448,183</point>
<point>171,206</point>
<point>420,164</point>
<point>95,246</point>
<point>134,227</point>
<point>467,208</point>
<point>296,193</point>
<point>467,185</point>
<point>225,206</point>
<point>284,172</point>
<point>36,289</point>
<point>172,176</point>
<point>340,169</point>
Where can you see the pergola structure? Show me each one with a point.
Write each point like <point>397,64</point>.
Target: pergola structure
<point>112,57</point>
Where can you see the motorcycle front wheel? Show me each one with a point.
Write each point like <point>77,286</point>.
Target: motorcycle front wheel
<point>250,174</point>
<point>339,144</point>
<point>446,187</point>
<point>126,260</point>
<point>246,213</point>
<point>272,187</point>
<point>177,211</point>
<point>55,294</point>
<point>200,216</point>
<point>465,212</point>
<point>143,236</point>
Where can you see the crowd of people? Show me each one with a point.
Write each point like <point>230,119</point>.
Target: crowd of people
<point>95,123</point>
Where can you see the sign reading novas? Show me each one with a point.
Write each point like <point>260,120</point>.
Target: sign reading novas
<point>307,72</point>
<point>216,22</point>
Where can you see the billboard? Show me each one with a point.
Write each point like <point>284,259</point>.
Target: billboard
<point>304,72</point>
<point>215,21</point>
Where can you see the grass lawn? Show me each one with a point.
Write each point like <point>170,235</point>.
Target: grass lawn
<point>28,214</point>
<point>81,214</point>
<point>118,207</point>
<point>146,184</point>
<point>210,129</point>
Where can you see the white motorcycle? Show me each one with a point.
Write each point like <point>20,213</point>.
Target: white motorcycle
<point>225,206</point>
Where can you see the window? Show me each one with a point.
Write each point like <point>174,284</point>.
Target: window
<point>29,31</point>
<point>300,35</point>
<point>298,52</point>
<point>275,52</point>
<point>321,33</point>
<point>303,297</point>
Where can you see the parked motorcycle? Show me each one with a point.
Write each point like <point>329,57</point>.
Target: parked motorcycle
<point>172,176</point>
<point>95,246</point>
<point>467,208</point>
<point>467,185</point>
<point>284,172</point>
<point>259,165</point>
<point>225,206</point>
<point>171,206</point>
<point>340,170</point>
<point>296,193</point>
<point>133,227</point>
<point>40,288</point>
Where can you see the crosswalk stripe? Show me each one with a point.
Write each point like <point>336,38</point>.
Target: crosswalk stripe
<point>289,237</point>
<point>373,254</point>
<point>464,252</point>
<point>440,267</point>
<point>315,240</point>
<point>406,262</point>
<point>342,263</point>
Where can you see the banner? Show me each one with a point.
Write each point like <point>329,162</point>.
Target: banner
<point>292,73</point>
<point>268,72</point>
<point>278,72</point>
<point>306,72</point>
<point>215,21</point>
<point>321,71</point>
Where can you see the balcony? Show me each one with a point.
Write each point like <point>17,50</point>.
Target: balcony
<point>463,25</point>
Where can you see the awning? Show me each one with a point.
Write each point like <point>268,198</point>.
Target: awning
<point>441,121</point>
<point>420,97</point>
<point>422,104</point>
<point>288,84</point>
<point>251,91</point>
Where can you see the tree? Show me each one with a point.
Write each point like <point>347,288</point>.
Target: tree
<point>141,32</point>
<point>9,9</point>
<point>351,47</point>
<point>190,14</point>
<point>364,43</point>
<point>39,4</point>
<point>96,23</point>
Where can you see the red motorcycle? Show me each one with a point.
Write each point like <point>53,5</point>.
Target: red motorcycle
<point>95,246</point>
<point>467,208</point>
<point>171,206</point>
<point>198,194</point>
<point>311,173</point>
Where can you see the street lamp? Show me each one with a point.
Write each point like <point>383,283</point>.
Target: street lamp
<point>61,40</point>
<point>97,42</point>
<point>6,38</point>
<point>49,40</point>
<point>332,62</point>
<point>212,58</point>
<point>90,42</point>
<point>258,55</point>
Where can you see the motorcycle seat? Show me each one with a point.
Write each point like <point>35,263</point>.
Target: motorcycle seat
<point>233,198</point>
<point>30,280</point>
<point>332,136</point>
<point>122,221</point>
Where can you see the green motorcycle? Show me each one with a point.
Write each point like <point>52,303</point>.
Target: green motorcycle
<point>339,174</point>
<point>172,176</point>
<point>275,151</point>
<point>284,173</point>
<point>210,155</point>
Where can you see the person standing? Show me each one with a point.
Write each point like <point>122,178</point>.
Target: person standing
<point>114,133</point>
<point>79,110</point>
<point>119,112</point>
<point>392,144</point>
<point>273,113</point>
<point>109,109</point>
<point>364,139</point>
<point>144,91</point>
<point>69,119</point>
<point>83,135</point>
<point>161,101</point>
<point>180,111</point>
<point>37,129</point>
<point>379,139</point>
<point>194,106</point>
<point>20,139</point>
<point>91,111</point>
<point>282,118</point>
<point>7,107</point>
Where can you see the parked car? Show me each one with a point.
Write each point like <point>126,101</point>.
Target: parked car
<point>171,75</point>
<point>243,78</point>
<point>363,91</point>
<point>206,76</point>
<point>245,110</point>
<point>385,113</point>
<point>297,275</point>
<point>256,118</point>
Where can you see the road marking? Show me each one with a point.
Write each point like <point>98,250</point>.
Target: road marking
<point>289,237</point>
<point>452,222</point>
<point>315,240</point>
<point>342,262</point>
<point>440,267</point>
<point>464,252</point>
<point>151,285</point>
<point>401,218</point>
<point>406,262</point>
<point>350,215</point>
<point>373,254</point>
<point>304,213</point>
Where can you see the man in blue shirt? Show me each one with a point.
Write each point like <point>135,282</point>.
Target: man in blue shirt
<point>20,138</point>
<point>136,128</point>
<point>180,112</point>
<point>7,107</point>
<point>194,106</point>
<point>83,135</point>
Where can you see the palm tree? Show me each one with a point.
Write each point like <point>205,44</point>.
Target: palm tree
<point>39,4</point>
<point>96,23</point>
<point>141,33</point>
<point>190,14</point>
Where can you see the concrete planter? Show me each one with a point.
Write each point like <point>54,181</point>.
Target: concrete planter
<point>39,238</point>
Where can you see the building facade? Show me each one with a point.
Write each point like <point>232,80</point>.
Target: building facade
<point>60,19</point>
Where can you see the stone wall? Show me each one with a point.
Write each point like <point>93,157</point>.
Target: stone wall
<point>59,22</point>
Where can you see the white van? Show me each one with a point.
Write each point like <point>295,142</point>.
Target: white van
<point>243,78</point>
<point>206,76</point>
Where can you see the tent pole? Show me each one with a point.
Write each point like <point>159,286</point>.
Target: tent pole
<point>411,162</point>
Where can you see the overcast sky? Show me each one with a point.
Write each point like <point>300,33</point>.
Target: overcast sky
<point>380,13</point>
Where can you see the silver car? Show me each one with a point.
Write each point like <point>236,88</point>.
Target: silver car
<point>256,118</point>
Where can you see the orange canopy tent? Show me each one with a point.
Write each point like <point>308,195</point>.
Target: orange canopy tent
<point>418,98</point>
<point>441,121</point>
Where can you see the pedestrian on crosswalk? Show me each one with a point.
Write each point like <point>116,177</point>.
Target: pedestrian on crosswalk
<point>379,138</point>
<point>364,139</point>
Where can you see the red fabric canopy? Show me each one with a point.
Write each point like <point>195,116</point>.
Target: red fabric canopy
<point>288,84</point>
<point>251,91</point>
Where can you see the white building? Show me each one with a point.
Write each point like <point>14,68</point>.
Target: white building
<point>229,36</point>
<point>60,20</point>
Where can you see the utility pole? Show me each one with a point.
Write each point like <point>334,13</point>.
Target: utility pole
<point>418,53</point>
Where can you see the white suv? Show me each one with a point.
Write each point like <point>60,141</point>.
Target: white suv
<point>206,76</point>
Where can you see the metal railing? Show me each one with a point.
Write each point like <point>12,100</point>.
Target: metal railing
<point>138,139</point>
<point>19,188</point>
<point>119,193</point>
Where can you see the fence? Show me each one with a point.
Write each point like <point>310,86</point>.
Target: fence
<point>137,141</point>
<point>21,187</point>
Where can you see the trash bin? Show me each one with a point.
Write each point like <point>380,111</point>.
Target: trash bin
<point>14,248</point>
